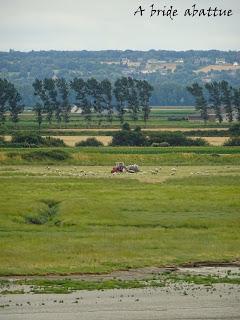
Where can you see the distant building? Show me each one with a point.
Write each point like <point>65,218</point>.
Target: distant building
<point>76,109</point>
<point>124,61</point>
<point>220,61</point>
<point>110,62</point>
<point>236,64</point>
<point>179,60</point>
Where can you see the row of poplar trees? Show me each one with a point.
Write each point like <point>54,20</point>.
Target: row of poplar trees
<point>93,97</point>
<point>10,101</point>
<point>219,97</point>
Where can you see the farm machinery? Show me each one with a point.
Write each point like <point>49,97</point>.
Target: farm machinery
<point>121,168</point>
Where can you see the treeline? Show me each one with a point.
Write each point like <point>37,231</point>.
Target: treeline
<point>10,101</point>
<point>22,68</point>
<point>219,97</point>
<point>92,97</point>
<point>55,98</point>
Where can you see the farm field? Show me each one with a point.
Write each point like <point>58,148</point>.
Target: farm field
<point>225,67</point>
<point>160,118</point>
<point>71,140</point>
<point>153,218</point>
<point>215,141</point>
<point>107,156</point>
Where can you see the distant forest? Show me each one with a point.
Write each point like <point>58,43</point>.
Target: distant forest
<point>169,72</point>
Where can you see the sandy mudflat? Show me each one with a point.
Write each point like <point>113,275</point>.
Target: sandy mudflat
<point>178,301</point>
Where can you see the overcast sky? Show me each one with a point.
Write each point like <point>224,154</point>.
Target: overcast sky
<point>110,24</point>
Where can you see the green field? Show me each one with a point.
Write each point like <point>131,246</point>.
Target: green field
<point>107,156</point>
<point>160,117</point>
<point>101,222</point>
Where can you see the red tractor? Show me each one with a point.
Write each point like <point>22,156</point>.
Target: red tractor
<point>119,168</point>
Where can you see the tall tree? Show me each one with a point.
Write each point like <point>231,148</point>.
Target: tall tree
<point>64,107</point>
<point>14,99</point>
<point>133,102</point>
<point>51,103</point>
<point>95,97</point>
<point>227,99</point>
<point>121,96</point>
<point>106,91</point>
<point>4,85</point>
<point>81,97</point>
<point>214,91</point>
<point>236,102</point>
<point>200,102</point>
<point>38,109</point>
<point>40,106</point>
<point>144,92</point>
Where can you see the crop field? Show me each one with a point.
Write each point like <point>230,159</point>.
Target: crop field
<point>226,67</point>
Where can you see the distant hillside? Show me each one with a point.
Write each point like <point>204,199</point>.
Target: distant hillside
<point>168,71</point>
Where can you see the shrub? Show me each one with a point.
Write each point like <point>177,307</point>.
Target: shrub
<point>46,154</point>
<point>90,142</point>
<point>198,142</point>
<point>233,142</point>
<point>174,139</point>
<point>53,142</point>
<point>234,130</point>
<point>128,137</point>
<point>32,139</point>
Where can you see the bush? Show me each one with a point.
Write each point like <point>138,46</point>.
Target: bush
<point>32,139</point>
<point>90,142</point>
<point>53,142</point>
<point>46,154</point>
<point>233,142</point>
<point>234,130</point>
<point>174,139</point>
<point>128,137</point>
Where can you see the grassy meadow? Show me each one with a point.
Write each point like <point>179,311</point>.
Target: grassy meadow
<point>63,212</point>
<point>161,216</point>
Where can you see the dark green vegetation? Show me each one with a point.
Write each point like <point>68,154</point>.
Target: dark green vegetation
<point>91,96</point>
<point>90,142</point>
<point>33,139</point>
<point>46,214</point>
<point>234,142</point>
<point>9,101</point>
<point>170,87</point>
<point>111,223</point>
<point>220,97</point>
<point>136,137</point>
